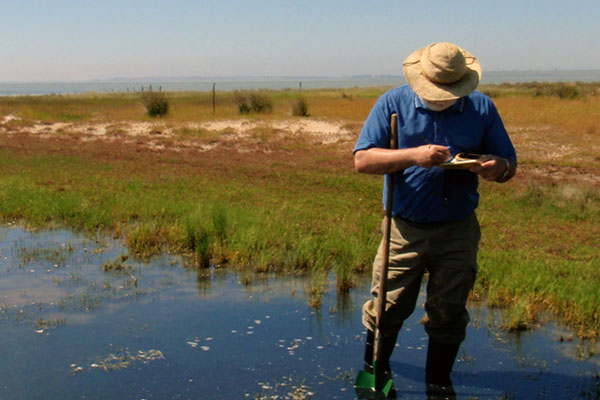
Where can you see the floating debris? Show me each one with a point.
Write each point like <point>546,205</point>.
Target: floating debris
<point>123,359</point>
<point>295,391</point>
<point>149,355</point>
<point>75,369</point>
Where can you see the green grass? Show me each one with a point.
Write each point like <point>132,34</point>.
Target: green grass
<point>561,90</point>
<point>540,252</point>
<point>267,227</point>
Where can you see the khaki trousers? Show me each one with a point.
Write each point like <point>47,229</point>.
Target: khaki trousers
<point>448,252</point>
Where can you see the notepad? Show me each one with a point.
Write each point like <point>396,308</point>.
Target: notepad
<point>462,161</point>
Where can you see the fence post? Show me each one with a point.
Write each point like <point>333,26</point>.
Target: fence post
<point>214,97</point>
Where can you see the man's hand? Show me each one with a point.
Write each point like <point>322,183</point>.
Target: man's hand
<point>431,155</point>
<point>492,168</point>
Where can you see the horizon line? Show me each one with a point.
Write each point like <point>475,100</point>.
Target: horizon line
<point>188,78</point>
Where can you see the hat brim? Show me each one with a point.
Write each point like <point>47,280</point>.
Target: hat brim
<point>433,91</point>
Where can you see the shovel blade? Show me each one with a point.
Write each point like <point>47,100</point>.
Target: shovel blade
<point>368,387</point>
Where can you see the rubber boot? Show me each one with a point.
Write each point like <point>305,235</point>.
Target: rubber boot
<point>369,347</point>
<point>387,347</point>
<point>440,359</point>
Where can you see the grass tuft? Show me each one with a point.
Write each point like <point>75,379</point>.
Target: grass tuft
<point>156,103</point>
<point>252,101</point>
<point>300,108</point>
<point>198,238</point>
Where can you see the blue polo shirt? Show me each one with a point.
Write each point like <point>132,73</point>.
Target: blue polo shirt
<point>471,125</point>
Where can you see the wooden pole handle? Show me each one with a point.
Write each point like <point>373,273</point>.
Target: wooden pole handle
<point>389,204</point>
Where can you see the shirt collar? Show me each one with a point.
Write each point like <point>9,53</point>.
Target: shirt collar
<point>457,107</point>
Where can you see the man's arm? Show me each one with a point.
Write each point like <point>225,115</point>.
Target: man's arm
<point>382,161</point>
<point>496,141</point>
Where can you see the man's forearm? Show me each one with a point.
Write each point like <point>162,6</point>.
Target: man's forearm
<point>383,161</point>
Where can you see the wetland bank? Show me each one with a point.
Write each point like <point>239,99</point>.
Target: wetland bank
<point>218,203</point>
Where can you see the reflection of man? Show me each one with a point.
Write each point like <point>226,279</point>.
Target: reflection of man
<point>434,228</point>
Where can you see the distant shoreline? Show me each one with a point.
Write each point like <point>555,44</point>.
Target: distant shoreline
<point>541,72</point>
<point>124,85</point>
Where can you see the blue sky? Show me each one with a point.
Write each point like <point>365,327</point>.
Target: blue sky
<point>91,39</point>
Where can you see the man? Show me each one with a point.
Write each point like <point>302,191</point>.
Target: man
<point>434,227</point>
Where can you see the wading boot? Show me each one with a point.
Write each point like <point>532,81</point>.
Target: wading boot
<point>440,359</point>
<point>383,361</point>
<point>369,346</point>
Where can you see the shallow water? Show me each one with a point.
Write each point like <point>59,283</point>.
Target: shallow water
<point>276,83</point>
<point>158,330</point>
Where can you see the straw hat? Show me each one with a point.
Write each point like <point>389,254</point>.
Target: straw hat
<point>442,71</point>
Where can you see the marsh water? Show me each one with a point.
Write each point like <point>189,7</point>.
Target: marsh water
<point>243,83</point>
<point>79,319</point>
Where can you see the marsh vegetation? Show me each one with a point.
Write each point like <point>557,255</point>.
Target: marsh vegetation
<point>251,193</point>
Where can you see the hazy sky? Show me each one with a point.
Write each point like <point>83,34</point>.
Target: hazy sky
<point>99,39</point>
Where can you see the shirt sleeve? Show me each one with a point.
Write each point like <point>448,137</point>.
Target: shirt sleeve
<point>496,140</point>
<point>376,130</point>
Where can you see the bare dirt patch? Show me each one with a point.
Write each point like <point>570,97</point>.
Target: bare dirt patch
<point>540,157</point>
<point>559,174</point>
<point>159,135</point>
<point>547,153</point>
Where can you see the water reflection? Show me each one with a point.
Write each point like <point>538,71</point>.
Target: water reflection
<point>78,319</point>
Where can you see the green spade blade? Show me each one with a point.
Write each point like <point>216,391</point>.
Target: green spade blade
<point>369,386</point>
